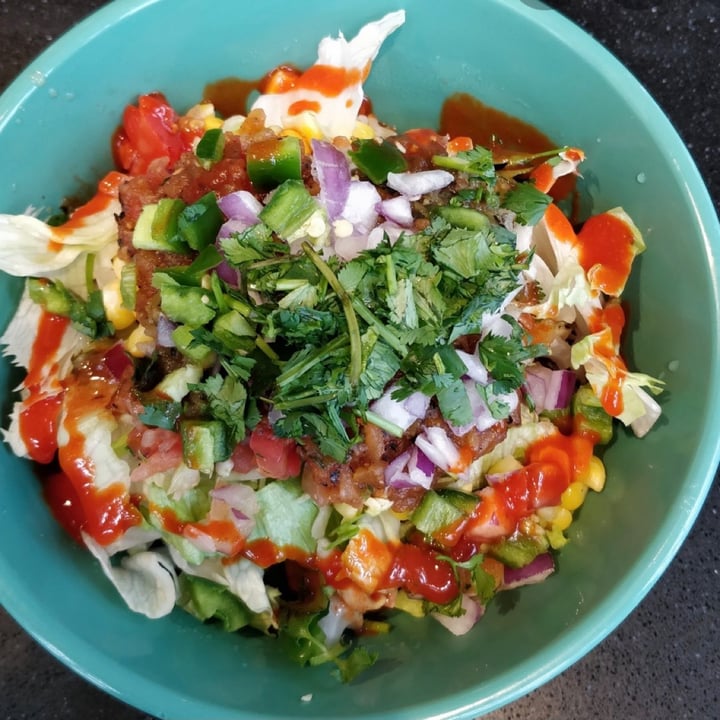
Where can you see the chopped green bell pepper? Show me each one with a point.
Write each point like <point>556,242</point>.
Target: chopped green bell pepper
<point>271,162</point>
<point>376,159</point>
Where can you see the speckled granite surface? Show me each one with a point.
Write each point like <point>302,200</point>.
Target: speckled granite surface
<point>663,662</point>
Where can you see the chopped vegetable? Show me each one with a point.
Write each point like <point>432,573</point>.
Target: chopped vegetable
<point>302,371</point>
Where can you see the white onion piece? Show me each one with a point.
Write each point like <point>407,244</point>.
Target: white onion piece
<point>475,369</point>
<point>402,413</point>
<point>398,210</point>
<point>336,621</point>
<point>332,170</point>
<point>165,329</point>
<point>416,184</point>
<point>359,209</point>
<point>462,623</point>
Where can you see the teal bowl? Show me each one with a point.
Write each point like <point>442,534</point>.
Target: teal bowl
<point>55,121</point>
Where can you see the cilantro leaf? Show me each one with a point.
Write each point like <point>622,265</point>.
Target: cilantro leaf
<point>304,641</point>
<point>476,162</point>
<point>527,202</point>
<point>227,397</point>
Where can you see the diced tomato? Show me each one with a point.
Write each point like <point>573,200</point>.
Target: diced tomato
<point>160,448</point>
<point>418,569</point>
<point>276,457</point>
<point>243,458</point>
<point>150,130</point>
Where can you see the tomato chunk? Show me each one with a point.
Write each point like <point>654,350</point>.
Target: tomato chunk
<point>150,130</point>
<point>276,457</point>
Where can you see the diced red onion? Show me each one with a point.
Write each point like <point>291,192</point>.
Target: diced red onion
<point>242,502</point>
<point>238,496</point>
<point>331,168</point>
<point>240,205</point>
<point>460,624</point>
<point>227,273</point>
<point>561,389</point>
<point>438,447</point>
<point>416,184</point>
<point>165,329</point>
<point>475,369</point>
<point>397,209</point>
<point>243,523</point>
<point>359,209</point>
<point>378,233</point>
<point>231,227</point>
<point>549,389</point>
<point>534,572</point>
<point>117,360</point>
<point>411,468</point>
<point>349,247</point>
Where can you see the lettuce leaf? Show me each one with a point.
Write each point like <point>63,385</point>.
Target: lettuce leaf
<point>285,516</point>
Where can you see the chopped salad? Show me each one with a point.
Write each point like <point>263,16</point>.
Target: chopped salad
<point>294,370</point>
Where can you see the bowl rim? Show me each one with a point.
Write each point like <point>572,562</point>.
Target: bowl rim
<point>127,686</point>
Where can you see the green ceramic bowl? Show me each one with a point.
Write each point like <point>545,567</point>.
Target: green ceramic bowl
<point>54,142</point>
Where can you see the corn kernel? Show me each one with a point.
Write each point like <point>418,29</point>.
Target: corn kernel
<point>213,122</point>
<point>362,131</point>
<point>563,519</point>
<point>595,479</point>
<point>504,465</point>
<point>139,343</point>
<point>556,539</point>
<point>547,514</point>
<point>120,316</point>
<point>574,496</point>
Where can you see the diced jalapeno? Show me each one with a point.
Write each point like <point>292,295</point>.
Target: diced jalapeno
<point>200,222</point>
<point>288,209</point>
<point>376,159</point>
<point>590,416</point>
<point>211,146</point>
<point>271,162</point>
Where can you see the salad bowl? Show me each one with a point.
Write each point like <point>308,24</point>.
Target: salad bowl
<point>176,668</point>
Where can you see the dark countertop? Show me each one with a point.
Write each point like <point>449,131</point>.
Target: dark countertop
<point>662,662</point>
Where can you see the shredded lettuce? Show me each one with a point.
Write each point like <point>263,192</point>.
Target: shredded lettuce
<point>285,516</point>
<point>145,580</point>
